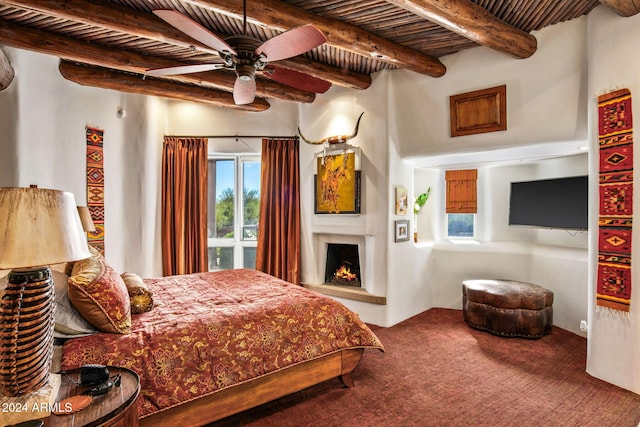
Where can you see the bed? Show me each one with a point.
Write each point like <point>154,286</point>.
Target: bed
<point>217,343</point>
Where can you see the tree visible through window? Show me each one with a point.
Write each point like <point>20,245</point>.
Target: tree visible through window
<point>233,215</point>
<point>460,225</point>
<point>225,213</point>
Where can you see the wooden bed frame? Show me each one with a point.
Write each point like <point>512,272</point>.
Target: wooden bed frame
<point>247,395</point>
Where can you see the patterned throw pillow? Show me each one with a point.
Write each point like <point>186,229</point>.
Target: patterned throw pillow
<point>69,322</point>
<point>100,295</point>
<point>139,294</point>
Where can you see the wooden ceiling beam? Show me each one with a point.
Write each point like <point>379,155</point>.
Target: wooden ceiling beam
<point>623,7</point>
<point>111,16</point>
<point>475,23</point>
<point>283,16</point>
<point>143,24</point>
<point>102,56</point>
<point>6,72</point>
<point>131,83</point>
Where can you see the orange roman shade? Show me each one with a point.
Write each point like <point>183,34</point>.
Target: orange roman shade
<point>461,191</point>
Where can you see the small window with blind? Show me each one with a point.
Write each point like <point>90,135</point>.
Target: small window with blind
<point>461,205</point>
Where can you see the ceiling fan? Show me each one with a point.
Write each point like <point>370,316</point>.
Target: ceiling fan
<point>246,55</point>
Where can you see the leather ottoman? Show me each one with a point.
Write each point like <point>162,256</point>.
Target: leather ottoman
<point>507,308</point>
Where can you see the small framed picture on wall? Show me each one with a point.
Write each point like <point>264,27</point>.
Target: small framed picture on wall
<point>402,230</point>
<point>402,201</point>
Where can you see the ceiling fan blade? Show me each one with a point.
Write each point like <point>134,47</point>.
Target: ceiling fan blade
<point>193,29</point>
<point>297,79</point>
<point>292,43</point>
<point>183,69</point>
<point>244,91</point>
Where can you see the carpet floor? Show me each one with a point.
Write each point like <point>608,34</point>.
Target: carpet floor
<point>437,371</point>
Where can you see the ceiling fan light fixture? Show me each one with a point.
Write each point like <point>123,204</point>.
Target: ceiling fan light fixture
<point>247,55</point>
<point>245,72</point>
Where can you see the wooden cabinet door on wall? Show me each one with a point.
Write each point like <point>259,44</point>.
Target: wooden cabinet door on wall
<point>461,191</point>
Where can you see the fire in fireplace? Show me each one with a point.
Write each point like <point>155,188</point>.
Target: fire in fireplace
<point>343,265</point>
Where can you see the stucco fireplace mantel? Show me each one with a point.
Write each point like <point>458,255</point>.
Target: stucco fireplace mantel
<point>365,243</point>
<point>347,292</point>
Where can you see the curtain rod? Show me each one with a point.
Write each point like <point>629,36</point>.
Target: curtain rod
<point>232,136</point>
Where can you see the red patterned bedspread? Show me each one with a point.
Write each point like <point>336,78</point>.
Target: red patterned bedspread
<point>209,331</point>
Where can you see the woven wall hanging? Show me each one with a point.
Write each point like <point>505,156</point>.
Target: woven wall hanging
<point>615,138</point>
<point>95,186</point>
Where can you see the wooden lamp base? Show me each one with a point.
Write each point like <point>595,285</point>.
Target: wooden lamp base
<point>27,316</point>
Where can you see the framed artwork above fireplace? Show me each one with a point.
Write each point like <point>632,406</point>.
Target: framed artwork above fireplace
<point>337,182</point>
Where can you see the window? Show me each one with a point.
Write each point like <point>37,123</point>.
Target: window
<point>461,203</point>
<point>461,225</point>
<point>232,223</point>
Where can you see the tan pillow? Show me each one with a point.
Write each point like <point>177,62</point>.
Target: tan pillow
<point>100,295</point>
<point>69,322</point>
<point>139,294</point>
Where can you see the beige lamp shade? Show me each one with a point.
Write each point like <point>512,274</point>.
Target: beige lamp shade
<point>86,220</point>
<point>39,227</point>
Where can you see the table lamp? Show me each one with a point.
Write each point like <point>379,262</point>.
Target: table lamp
<point>38,227</point>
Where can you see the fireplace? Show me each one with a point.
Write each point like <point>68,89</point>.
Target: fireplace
<point>343,265</point>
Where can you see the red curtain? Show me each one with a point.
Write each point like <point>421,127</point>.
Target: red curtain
<point>184,206</point>
<point>278,251</point>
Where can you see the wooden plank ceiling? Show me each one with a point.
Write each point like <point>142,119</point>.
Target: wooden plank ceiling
<point>112,43</point>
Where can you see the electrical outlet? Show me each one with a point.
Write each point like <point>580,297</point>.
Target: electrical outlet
<point>583,325</point>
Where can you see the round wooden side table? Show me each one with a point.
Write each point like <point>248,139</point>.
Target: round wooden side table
<point>116,408</point>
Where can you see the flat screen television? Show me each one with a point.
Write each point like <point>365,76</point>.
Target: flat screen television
<point>550,203</point>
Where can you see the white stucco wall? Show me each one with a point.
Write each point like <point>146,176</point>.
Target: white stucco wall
<point>43,140</point>
<point>613,64</point>
<point>500,251</point>
<point>545,96</point>
<point>335,113</point>
<point>546,117</point>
